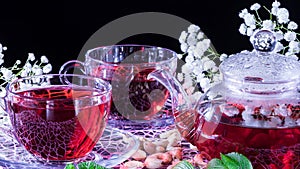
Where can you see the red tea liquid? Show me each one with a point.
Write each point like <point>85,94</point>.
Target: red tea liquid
<point>267,148</point>
<point>134,96</point>
<point>56,129</point>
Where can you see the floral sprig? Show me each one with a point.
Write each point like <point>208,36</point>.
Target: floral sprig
<point>31,67</point>
<point>277,21</point>
<point>200,70</point>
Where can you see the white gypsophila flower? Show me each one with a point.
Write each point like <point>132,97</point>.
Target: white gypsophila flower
<point>183,36</point>
<point>283,15</point>
<point>187,68</point>
<point>201,47</point>
<point>193,28</point>
<point>1,61</point>
<point>207,65</point>
<point>278,47</point>
<point>279,35</point>
<point>290,36</point>
<point>191,39</point>
<point>31,57</point>
<point>180,77</point>
<point>47,68</point>
<point>255,7</point>
<point>276,4</point>
<point>6,73</point>
<point>274,11</point>
<point>294,45</point>
<point>44,59</point>
<point>199,77</point>
<point>191,50</point>
<point>250,31</point>
<point>200,35</point>
<point>189,59</point>
<point>243,13</point>
<point>268,24</point>
<point>24,73</point>
<point>183,47</point>
<point>18,62</point>
<point>243,29</point>
<point>292,25</point>
<point>204,83</point>
<point>249,19</point>
<point>223,56</point>
<point>179,56</point>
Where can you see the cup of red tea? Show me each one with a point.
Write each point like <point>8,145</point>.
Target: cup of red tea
<point>137,102</point>
<point>58,118</point>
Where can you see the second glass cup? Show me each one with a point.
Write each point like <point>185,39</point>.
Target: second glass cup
<point>138,103</point>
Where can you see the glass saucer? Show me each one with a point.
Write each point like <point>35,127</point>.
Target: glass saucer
<point>114,147</point>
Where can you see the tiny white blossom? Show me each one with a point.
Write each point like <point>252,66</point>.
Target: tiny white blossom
<point>223,56</point>
<point>276,4</point>
<point>4,48</point>
<point>183,47</point>
<point>249,19</point>
<point>209,65</point>
<point>279,35</point>
<point>18,62</point>
<point>179,56</point>
<point>31,57</point>
<point>183,36</point>
<point>292,25</point>
<point>180,77</point>
<point>44,59</point>
<point>243,13</point>
<point>290,36</point>
<point>200,35</point>
<point>24,73</point>
<point>283,15</point>
<point>186,68</point>
<point>47,68</point>
<point>249,31</point>
<point>6,73</point>
<point>278,47</point>
<point>192,39</point>
<point>193,28</point>
<point>274,11</point>
<point>201,47</point>
<point>243,29</point>
<point>268,24</point>
<point>255,7</point>
<point>189,59</point>
<point>204,83</point>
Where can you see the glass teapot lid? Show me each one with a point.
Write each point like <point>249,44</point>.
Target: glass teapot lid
<point>262,70</point>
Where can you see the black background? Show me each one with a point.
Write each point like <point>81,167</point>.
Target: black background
<point>60,29</point>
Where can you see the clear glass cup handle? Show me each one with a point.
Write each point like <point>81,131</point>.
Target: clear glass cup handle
<point>5,123</point>
<point>67,67</point>
<point>72,64</point>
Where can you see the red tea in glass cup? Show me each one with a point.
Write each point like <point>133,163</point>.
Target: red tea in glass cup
<point>58,118</point>
<point>138,102</point>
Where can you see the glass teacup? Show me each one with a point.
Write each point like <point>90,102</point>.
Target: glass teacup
<point>58,118</point>
<point>138,102</point>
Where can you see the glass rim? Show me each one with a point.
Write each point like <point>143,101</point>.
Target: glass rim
<point>146,64</point>
<point>106,85</point>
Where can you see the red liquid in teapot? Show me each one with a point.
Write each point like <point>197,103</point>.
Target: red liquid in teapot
<point>134,96</point>
<point>266,147</point>
<point>58,130</point>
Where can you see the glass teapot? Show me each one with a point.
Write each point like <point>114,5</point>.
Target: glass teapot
<point>255,110</point>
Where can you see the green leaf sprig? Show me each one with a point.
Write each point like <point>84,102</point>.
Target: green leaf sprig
<point>85,165</point>
<point>230,161</point>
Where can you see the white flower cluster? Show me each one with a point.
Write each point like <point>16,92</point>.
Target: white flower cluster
<point>199,67</point>
<point>278,22</point>
<point>31,67</point>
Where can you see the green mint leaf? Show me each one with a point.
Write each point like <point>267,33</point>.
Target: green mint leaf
<point>216,164</point>
<point>183,165</point>
<point>69,166</point>
<point>229,162</point>
<point>90,165</point>
<point>243,162</point>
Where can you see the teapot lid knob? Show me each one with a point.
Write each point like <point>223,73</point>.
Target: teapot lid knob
<point>263,41</point>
